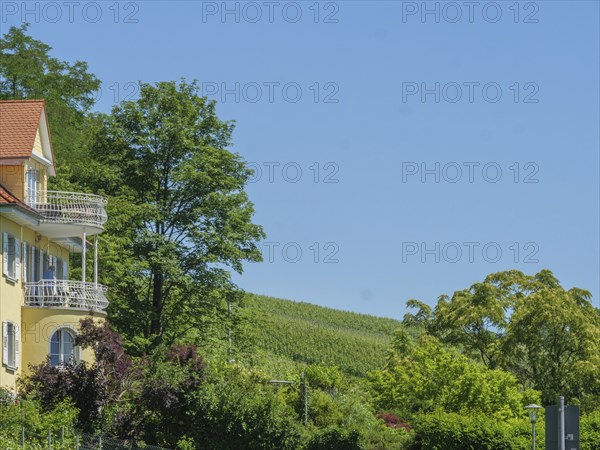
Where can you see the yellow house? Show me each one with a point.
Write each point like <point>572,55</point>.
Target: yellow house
<point>40,304</point>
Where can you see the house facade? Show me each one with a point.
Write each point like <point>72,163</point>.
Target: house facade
<point>41,304</point>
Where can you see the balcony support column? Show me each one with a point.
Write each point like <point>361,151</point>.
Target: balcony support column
<point>83,254</point>
<point>96,261</point>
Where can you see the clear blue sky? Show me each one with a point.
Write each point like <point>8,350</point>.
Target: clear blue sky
<point>381,221</point>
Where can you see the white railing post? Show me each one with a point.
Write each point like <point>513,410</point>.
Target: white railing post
<point>83,254</point>
<point>96,261</point>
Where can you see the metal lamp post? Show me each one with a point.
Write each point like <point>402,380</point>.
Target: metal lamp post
<point>303,393</point>
<point>533,413</point>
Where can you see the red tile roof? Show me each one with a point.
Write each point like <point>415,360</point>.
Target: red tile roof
<point>19,122</point>
<point>6,198</point>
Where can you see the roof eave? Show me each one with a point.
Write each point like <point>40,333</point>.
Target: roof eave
<point>52,168</point>
<point>27,213</point>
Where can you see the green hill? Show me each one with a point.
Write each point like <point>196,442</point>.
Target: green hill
<point>290,334</point>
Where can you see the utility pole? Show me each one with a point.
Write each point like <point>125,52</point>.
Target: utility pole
<point>561,423</point>
<point>304,393</point>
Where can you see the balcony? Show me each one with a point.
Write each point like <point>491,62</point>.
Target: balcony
<point>66,294</point>
<point>68,213</point>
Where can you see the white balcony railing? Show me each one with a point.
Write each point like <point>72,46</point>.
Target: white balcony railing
<point>69,207</point>
<point>67,294</point>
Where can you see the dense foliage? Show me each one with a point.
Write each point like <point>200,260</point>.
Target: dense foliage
<point>39,421</point>
<point>531,326</point>
<point>590,431</point>
<point>27,71</point>
<point>452,431</point>
<point>424,377</point>
<point>90,388</point>
<point>165,155</point>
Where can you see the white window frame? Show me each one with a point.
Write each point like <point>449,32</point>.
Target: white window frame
<point>33,184</point>
<point>11,256</point>
<point>61,357</point>
<point>36,263</point>
<point>61,268</point>
<point>25,261</point>
<point>11,345</point>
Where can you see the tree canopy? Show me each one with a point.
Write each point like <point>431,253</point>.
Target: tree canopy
<point>526,324</point>
<point>27,71</point>
<point>179,217</point>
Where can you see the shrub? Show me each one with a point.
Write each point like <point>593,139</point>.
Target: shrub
<point>451,431</point>
<point>428,376</point>
<point>90,387</point>
<point>590,431</point>
<point>393,421</point>
<point>241,415</point>
<point>335,438</point>
<point>328,378</point>
<point>390,432</point>
<point>158,410</point>
<point>323,409</point>
<point>37,421</point>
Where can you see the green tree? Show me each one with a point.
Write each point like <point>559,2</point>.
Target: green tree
<point>553,343</point>
<point>476,318</point>
<point>179,217</point>
<point>529,325</point>
<point>422,319</point>
<point>426,377</point>
<point>27,71</point>
<point>238,409</point>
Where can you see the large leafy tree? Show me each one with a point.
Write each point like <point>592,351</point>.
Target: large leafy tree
<point>28,71</point>
<point>553,344</point>
<point>476,318</point>
<point>179,216</point>
<point>529,325</point>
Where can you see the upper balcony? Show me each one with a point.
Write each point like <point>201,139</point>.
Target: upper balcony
<point>68,213</point>
<point>66,294</point>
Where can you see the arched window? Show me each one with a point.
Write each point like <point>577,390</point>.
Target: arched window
<point>62,347</point>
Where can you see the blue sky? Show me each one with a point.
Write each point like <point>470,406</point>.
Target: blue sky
<point>433,149</point>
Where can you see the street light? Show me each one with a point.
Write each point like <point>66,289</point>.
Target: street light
<point>303,393</point>
<point>533,413</point>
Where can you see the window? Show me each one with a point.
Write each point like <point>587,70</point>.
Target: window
<point>33,177</point>
<point>10,345</point>
<point>35,263</point>
<point>61,269</point>
<point>11,255</point>
<point>28,261</point>
<point>62,347</point>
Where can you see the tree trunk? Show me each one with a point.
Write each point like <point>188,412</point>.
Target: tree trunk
<point>157,304</point>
